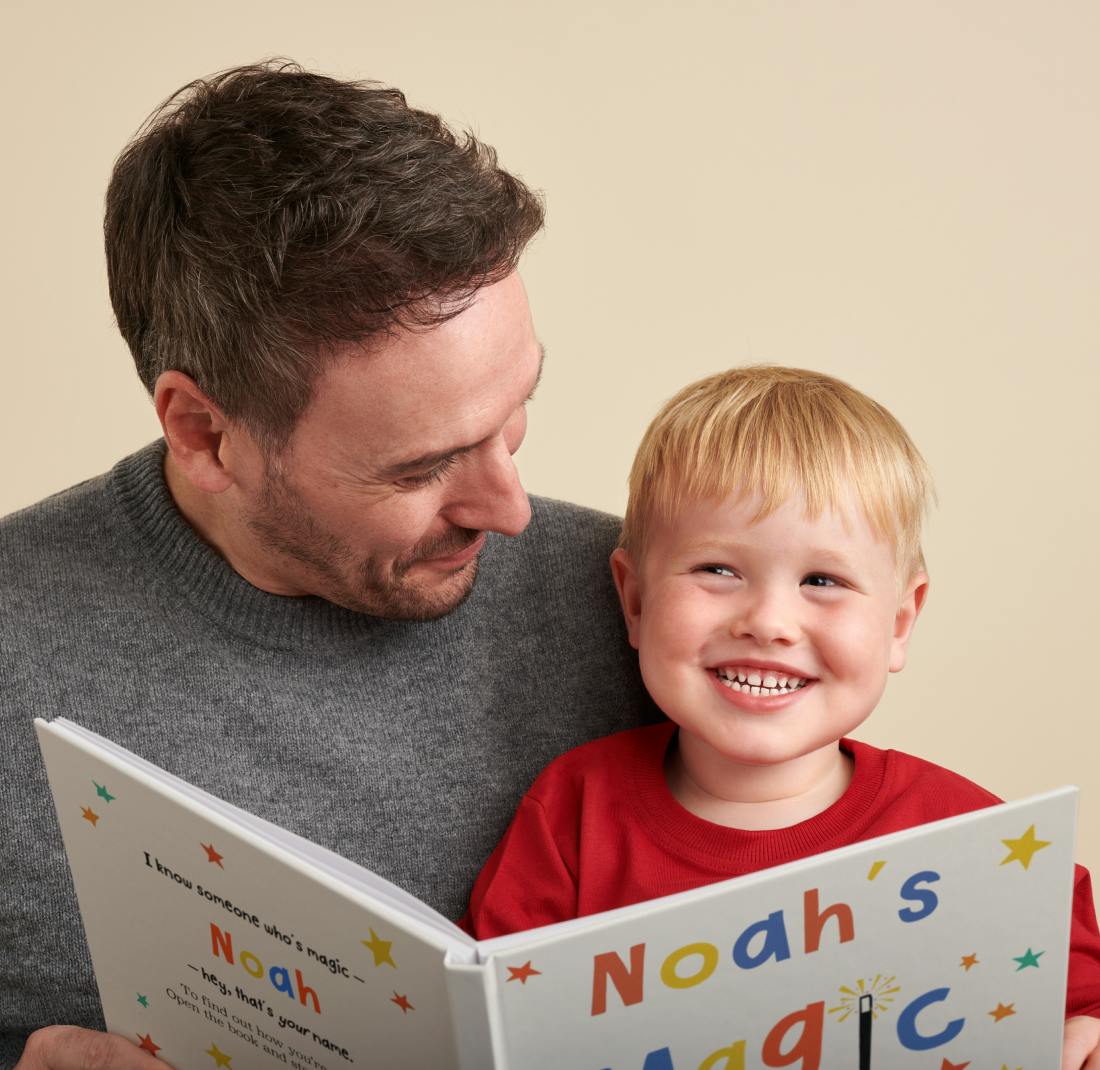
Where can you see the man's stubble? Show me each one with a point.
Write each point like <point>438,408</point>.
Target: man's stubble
<point>284,525</point>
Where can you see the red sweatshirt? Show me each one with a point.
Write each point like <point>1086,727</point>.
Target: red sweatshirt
<point>600,829</point>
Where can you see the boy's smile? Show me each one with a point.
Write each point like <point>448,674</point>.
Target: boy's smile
<point>766,642</point>
<point>757,684</point>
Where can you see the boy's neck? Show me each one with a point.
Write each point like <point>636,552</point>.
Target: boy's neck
<point>755,797</point>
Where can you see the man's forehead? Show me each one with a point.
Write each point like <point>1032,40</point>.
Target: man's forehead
<point>400,464</point>
<point>410,413</point>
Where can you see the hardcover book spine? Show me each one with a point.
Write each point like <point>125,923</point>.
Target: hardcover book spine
<point>474,1014</point>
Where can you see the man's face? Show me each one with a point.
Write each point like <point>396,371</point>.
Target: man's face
<point>401,463</point>
<point>767,641</point>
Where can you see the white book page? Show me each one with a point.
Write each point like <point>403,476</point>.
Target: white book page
<point>459,944</point>
<point>214,936</point>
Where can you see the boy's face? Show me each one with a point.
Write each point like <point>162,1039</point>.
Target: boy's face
<point>807,612</point>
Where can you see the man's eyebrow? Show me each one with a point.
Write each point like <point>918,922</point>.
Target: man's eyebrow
<point>427,460</point>
<point>430,460</point>
<point>538,377</point>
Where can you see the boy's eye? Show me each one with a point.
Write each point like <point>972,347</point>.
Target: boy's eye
<point>717,570</point>
<point>817,579</point>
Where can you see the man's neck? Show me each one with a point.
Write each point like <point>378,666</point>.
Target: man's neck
<point>209,515</point>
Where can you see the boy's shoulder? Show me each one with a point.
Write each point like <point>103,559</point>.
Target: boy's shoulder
<point>914,790</point>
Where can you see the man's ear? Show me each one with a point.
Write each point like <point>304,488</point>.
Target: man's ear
<point>196,431</point>
<point>909,608</point>
<point>630,593</point>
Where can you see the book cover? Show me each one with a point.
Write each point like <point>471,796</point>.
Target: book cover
<point>219,940</point>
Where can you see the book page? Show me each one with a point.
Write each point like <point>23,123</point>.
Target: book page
<point>217,945</point>
<point>940,946</point>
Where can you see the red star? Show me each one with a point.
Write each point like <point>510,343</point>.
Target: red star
<point>212,855</point>
<point>949,1065</point>
<point>968,961</point>
<point>1002,1011</point>
<point>89,816</point>
<point>403,1003</point>
<point>147,1044</point>
<point>521,973</point>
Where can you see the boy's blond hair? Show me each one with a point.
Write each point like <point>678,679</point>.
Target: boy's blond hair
<point>780,432</point>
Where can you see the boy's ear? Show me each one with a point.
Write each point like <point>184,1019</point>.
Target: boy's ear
<point>630,595</point>
<point>909,608</point>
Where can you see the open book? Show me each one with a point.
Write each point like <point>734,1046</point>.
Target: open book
<point>220,940</point>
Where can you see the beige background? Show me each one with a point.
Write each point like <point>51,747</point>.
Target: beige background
<point>901,194</point>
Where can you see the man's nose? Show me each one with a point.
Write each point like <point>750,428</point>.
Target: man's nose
<point>492,498</point>
<point>766,616</point>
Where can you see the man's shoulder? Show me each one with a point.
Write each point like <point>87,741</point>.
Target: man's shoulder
<point>64,558</point>
<point>559,564</point>
<point>555,522</point>
<point>605,759</point>
<point>56,527</point>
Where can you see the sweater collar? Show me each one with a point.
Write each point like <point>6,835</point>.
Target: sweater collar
<point>743,850</point>
<point>171,551</point>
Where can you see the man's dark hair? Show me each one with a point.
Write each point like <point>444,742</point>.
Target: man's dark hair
<point>266,214</point>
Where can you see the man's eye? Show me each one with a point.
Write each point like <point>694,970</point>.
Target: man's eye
<point>816,579</point>
<point>431,475</point>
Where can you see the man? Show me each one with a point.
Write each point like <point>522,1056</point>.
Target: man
<point>278,602</point>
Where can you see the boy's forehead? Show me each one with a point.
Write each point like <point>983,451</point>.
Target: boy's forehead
<point>840,534</point>
<point>717,517</point>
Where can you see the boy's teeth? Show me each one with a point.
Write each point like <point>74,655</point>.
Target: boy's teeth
<point>760,683</point>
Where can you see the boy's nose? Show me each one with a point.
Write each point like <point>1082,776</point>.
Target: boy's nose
<point>765,619</point>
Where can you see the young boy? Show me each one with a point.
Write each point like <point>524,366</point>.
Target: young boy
<point>770,574</point>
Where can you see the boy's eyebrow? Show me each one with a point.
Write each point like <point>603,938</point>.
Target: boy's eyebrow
<point>429,460</point>
<point>831,557</point>
<point>822,555</point>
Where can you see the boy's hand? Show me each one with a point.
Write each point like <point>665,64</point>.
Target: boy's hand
<point>1081,1044</point>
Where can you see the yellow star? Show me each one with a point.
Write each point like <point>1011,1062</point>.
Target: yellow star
<point>219,1057</point>
<point>968,961</point>
<point>1021,850</point>
<point>380,949</point>
<point>1002,1011</point>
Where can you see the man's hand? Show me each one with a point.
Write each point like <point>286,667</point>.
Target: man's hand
<point>1081,1044</point>
<point>66,1047</point>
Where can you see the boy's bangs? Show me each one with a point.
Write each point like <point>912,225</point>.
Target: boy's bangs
<point>780,433</point>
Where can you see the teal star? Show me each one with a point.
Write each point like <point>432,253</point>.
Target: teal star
<point>1030,959</point>
<point>102,792</point>
<point>143,1000</point>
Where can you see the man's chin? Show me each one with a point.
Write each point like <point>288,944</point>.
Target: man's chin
<point>419,598</point>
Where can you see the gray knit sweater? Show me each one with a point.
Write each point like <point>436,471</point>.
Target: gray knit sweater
<point>404,746</point>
